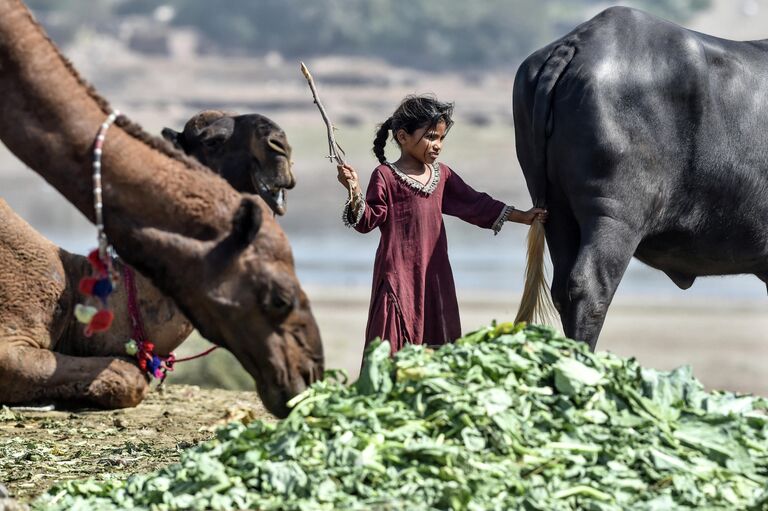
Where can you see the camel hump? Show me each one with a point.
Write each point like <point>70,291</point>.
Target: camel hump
<point>16,232</point>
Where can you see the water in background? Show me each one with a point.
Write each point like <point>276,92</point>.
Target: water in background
<point>480,262</point>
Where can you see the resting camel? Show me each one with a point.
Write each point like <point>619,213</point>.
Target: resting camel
<point>263,152</point>
<point>35,271</point>
<point>218,254</point>
<point>250,151</point>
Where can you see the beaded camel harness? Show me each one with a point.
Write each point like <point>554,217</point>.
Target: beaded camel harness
<point>104,279</point>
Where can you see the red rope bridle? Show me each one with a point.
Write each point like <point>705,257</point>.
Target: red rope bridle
<point>153,364</point>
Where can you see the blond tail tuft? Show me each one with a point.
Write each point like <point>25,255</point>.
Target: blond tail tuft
<point>536,303</point>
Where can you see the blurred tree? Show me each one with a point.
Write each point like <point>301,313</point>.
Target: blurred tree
<point>431,34</point>
<point>63,18</point>
<point>426,33</point>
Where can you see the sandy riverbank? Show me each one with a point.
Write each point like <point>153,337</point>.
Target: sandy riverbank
<point>725,340</point>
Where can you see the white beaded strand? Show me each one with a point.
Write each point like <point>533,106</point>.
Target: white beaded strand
<point>98,204</point>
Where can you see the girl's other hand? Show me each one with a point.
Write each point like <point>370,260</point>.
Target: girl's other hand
<point>347,176</point>
<point>527,217</point>
<point>537,214</point>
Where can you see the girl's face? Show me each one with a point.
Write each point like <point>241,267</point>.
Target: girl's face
<point>424,144</point>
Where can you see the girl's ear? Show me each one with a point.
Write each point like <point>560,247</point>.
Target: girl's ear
<point>400,136</point>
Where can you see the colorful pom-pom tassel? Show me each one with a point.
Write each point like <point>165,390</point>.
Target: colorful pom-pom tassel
<point>100,322</point>
<point>96,262</point>
<point>100,285</point>
<point>86,285</point>
<point>85,313</point>
<point>102,288</point>
<point>131,348</point>
<point>154,366</point>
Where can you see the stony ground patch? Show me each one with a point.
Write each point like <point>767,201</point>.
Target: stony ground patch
<point>41,448</point>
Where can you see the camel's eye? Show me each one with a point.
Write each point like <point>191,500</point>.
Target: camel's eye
<point>279,302</point>
<point>213,142</point>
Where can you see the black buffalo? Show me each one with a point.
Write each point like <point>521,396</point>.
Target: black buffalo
<point>644,139</point>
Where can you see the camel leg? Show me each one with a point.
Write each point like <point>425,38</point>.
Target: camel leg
<point>607,246</point>
<point>33,374</point>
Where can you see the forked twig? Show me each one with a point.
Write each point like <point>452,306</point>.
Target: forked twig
<point>335,152</point>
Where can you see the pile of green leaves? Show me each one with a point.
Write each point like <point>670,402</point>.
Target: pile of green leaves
<point>506,418</point>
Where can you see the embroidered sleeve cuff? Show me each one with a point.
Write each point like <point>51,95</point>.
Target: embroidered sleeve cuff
<point>347,215</point>
<point>499,223</point>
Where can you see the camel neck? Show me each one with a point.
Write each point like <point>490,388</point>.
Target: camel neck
<point>50,120</point>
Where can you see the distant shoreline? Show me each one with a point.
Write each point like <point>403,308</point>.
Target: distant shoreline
<point>484,297</point>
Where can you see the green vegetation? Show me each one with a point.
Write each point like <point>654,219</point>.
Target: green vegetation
<point>428,34</point>
<point>506,418</point>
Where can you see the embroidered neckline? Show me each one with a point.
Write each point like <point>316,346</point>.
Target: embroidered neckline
<point>427,188</point>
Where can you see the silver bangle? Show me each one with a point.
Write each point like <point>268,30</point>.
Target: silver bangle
<point>348,209</point>
<point>499,223</point>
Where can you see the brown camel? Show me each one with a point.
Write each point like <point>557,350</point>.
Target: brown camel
<point>164,324</point>
<point>217,253</point>
<point>250,151</point>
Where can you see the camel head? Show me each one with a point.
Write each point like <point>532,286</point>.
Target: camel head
<point>250,151</point>
<point>239,288</point>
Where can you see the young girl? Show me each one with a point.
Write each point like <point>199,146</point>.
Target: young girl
<point>413,298</point>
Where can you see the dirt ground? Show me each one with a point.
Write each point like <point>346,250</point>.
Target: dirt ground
<point>41,448</point>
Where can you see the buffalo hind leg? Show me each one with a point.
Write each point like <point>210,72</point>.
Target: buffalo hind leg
<point>33,374</point>
<point>607,246</point>
<point>563,242</point>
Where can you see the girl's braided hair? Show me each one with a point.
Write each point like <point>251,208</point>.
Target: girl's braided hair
<point>414,112</point>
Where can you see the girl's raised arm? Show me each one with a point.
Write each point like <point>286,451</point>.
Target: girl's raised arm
<point>364,215</point>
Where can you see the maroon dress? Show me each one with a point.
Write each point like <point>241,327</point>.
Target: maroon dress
<point>413,299</point>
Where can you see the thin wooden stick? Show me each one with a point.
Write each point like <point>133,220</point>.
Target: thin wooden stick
<point>335,152</point>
